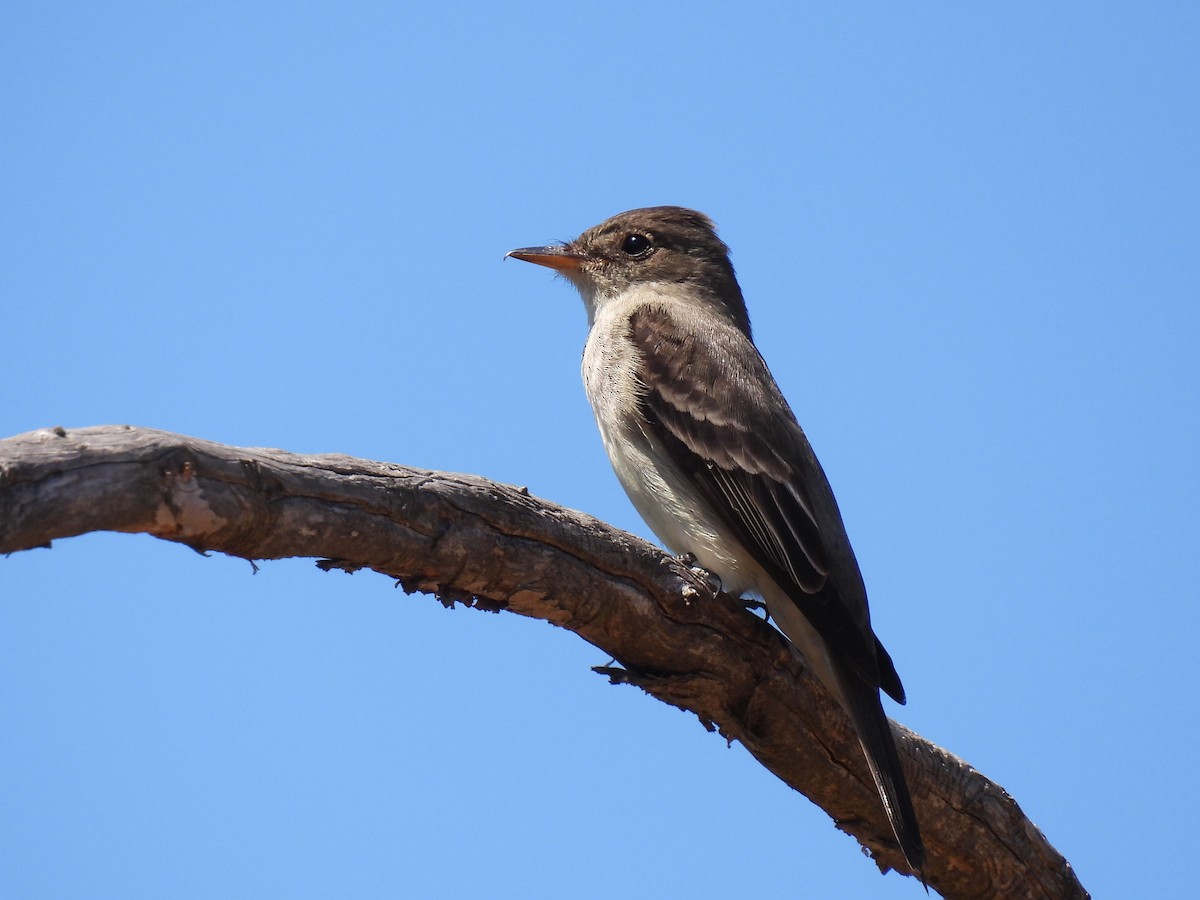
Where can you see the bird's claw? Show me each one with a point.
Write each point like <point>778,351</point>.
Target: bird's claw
<point>711,579</point>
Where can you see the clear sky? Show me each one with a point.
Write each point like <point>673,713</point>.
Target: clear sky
<point>968,237</point>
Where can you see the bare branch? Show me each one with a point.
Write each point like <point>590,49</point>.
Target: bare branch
<point>463,538</point>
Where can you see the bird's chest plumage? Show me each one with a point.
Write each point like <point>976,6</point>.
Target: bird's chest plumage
<point>659,491</point>
<point>610,378</point>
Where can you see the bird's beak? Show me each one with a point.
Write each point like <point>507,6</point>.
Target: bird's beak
<point>560,257</point>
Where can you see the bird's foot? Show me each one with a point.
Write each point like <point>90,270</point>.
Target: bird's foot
<point>711,580</point>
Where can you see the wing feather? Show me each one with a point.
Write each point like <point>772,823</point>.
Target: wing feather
<point>750,461</point>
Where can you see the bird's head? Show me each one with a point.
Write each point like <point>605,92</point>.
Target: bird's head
<point>664,248</point>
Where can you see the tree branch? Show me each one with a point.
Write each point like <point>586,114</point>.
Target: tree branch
<point>466,539</point>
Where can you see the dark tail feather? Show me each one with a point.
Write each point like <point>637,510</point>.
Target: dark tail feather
<point>879,746</point>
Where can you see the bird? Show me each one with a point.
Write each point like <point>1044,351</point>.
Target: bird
<point>713,458</point>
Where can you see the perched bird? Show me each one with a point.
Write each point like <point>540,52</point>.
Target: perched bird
<point>711,455</point>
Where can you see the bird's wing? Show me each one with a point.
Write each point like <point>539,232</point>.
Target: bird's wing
<point>734,436</point>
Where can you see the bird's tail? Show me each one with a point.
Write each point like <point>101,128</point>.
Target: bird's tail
<point>862,702</point>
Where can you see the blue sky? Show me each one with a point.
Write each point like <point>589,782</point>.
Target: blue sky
<point>968,240</point>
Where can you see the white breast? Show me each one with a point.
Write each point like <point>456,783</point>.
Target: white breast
<point>659,491</point>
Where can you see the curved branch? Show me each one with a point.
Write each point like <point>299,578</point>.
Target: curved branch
<point>463,538</point>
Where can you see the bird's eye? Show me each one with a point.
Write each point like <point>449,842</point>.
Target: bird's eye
<point>636,245</point>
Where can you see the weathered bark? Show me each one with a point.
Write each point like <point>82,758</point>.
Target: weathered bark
<point>466,539</point>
